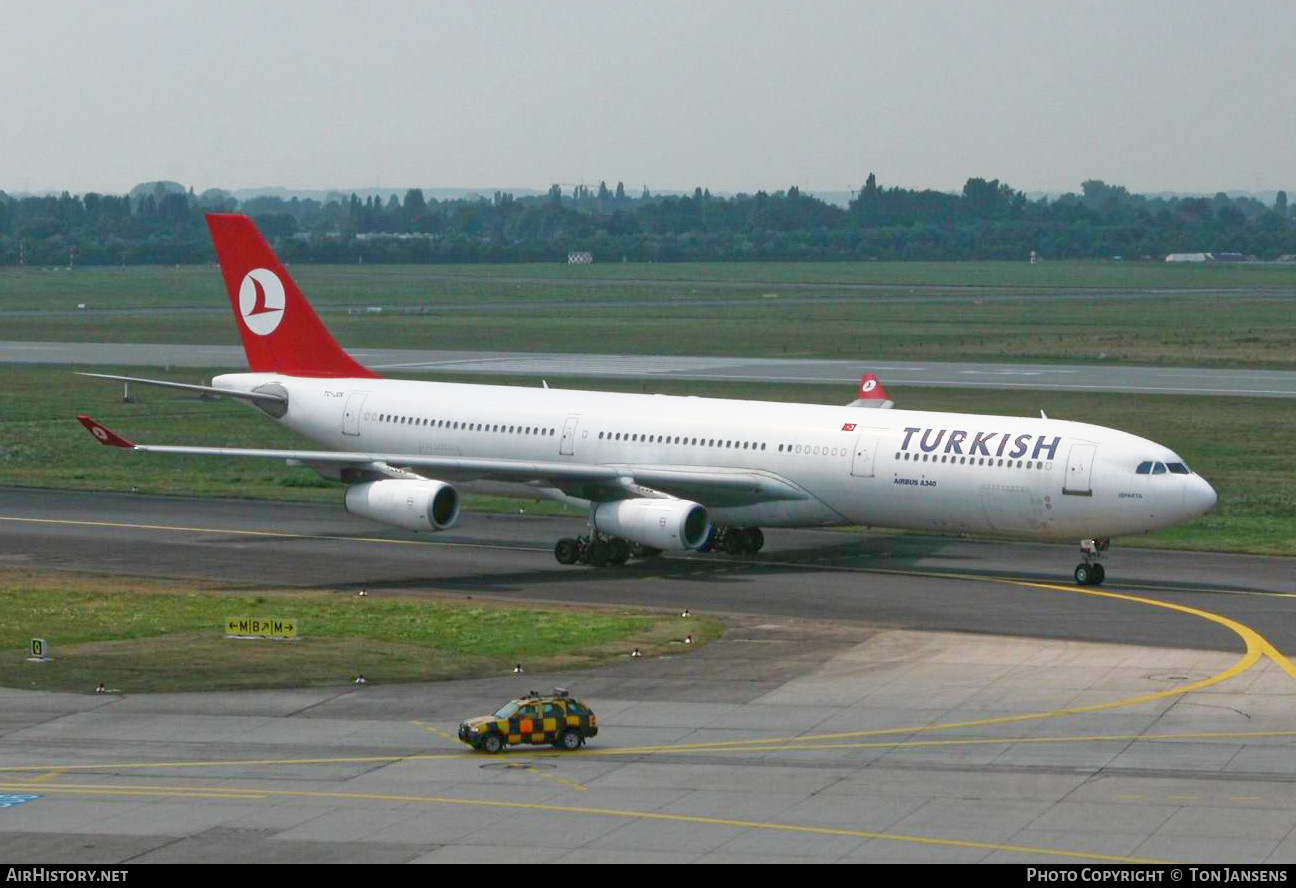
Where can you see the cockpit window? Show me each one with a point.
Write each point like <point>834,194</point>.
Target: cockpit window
<point>1178,469</point>
<point>1144,468</point>
<point>1159,469</point>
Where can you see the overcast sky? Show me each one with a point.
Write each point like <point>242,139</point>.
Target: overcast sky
<point>1183,95</point>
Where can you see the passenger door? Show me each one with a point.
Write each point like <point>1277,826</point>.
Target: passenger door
<point>1079,470</point>
<point>864,459</point>
<point>528,723</point>
<point>552,720</point>
<point>567,445</point>
<point>351,413</point>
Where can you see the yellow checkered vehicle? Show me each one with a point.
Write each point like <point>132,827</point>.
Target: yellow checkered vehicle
<point>558,719</point>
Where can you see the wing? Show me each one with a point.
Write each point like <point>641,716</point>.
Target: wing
<point>597,483</point>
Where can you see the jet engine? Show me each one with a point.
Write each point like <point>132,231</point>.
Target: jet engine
<point>667,524</point>
<point>413,505</point>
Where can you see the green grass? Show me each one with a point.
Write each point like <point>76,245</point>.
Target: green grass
<point>1242,446</point>
<point>166,285</point>
<point>155,636</point>
<point>1073,311</point>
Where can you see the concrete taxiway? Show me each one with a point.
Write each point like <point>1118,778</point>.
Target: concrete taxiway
<point>1051,377</point>
<point>876,698</point>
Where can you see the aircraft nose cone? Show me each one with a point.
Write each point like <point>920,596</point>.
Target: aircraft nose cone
<point>1199,496</point>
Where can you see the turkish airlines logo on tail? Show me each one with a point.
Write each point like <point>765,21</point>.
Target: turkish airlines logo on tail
<point>261,301</point>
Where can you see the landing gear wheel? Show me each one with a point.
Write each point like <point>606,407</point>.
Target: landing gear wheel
<point>1099,574</point>
<point>570,740</point>
<point>641,551</point>
<point>567,551</point>
<point>599,553</point>
<point>1084,574</point>
<point>755,540</point>
<point>492,744</point>
<point>620,551</point>
<point>732,542</point>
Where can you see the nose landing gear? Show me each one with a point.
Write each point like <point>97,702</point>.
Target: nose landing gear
<point>1090,572</point>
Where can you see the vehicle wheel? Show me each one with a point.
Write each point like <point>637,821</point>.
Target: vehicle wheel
<point>492,743</point>
<point>732,543</point>
<point>638,551</point>
<point>599,553</point>
<point>566,551</point>
<point>755,539</point>
<point>1083,575</point>
<point>570,740</point>
<point>620,552</point>
<point>1099,574</point>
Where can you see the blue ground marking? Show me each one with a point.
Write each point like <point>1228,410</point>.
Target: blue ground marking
<point>14,799</point>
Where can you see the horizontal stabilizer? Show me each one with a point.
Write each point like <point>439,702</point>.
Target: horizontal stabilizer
<point>264,397</point>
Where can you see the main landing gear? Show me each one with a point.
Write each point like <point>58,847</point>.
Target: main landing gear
<point>1090,572</point>
<point>735,540</point>
<point>601,550</point>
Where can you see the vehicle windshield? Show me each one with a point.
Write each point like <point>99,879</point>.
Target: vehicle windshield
<point>508,709</point>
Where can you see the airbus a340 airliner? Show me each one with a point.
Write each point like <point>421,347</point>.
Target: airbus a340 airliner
<point>671,473</point>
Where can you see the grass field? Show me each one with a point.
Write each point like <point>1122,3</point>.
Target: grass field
<point>139,635</point>
<point>1242,446</point>
<point>1142,313</point>
<point>146,286</point>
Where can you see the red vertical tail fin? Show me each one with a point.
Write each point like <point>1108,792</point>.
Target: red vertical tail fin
<point>871,393</point>
<point>281,332</point>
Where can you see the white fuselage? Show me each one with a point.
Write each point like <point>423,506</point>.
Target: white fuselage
<point>942,472</point>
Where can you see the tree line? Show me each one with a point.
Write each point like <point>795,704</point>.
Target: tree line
<point>988,219</point>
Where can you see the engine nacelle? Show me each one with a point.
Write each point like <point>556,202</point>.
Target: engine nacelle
<point>413,505</point>
<point>672,524</point>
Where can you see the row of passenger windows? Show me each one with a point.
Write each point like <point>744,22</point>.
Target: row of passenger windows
<point>977,461</point>
<point>453,424</point>
<point>719,443</point>
<point>1156,468</point>
<point>677,439</point>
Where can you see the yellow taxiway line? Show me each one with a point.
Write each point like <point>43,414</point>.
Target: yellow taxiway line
<point>121,525</point>
<point>1256,649</point>
<point>100,789</point>
<point>49,771</point>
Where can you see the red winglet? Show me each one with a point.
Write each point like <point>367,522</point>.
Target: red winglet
<point>871,389</point>
<point>103,434</point>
